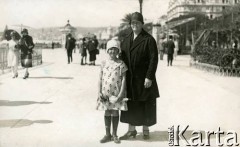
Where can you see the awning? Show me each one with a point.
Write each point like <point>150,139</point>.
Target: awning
<point>179,22</point>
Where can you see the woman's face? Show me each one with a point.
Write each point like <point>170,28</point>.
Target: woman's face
<point>136,26</point>
<point>113,52</point>
<point>24,33</point>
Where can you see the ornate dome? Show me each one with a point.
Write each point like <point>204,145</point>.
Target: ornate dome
<point>67,28</point>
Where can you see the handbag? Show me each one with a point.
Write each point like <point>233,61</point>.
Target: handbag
<point>97,51</point>
<point>27,61</point>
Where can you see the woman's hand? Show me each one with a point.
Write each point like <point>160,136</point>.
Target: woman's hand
<point>147,83</point>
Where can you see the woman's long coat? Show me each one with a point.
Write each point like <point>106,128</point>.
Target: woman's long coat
<point>141,57</point>
<point>26,45</point>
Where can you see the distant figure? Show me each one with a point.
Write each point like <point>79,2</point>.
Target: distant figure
<point>26,45</point>
<point>83,51</point>
<point>69,46</point>
<point>92,51</point>
<point>176,49</point>
<point>235,44</point>
<point>52,45</point>
<point>170,50</point>
<point>13,54</point>
<point>214,44</point>
<point>161,48</point>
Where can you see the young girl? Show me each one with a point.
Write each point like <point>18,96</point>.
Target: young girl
<point>112,90</point>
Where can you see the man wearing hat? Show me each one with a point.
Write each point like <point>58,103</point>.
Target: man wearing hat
<point>139,52</point>
<point>26,45</point>
<point>70,45</point>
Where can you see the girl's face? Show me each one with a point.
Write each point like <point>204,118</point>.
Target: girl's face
<point>113,52</point>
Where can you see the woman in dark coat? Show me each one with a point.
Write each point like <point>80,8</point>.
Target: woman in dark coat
<point>92,51</point>
<point>26,45</point>
<point>139,52</point>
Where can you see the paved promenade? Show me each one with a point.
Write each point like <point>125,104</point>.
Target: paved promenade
<point>55,107</point>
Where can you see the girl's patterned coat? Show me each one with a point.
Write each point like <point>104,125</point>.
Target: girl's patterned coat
<point>111,85</point>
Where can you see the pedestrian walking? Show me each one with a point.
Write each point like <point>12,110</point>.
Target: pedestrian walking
<point>176,49</point>
<point>161,48</point>
<point>111,94</point>
<point>170,50</point>
<point>26,45</point>
<point>53,45</point>
<point>139,52</point>
<point>13,54</point>
<point>69,46</point>
<point>92,51</point>
<point>83,51</point>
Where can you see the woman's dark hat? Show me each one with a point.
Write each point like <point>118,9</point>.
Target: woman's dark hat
<point>24,31</point>
<point>136,16</point>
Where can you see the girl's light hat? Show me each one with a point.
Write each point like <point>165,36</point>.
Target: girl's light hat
<point>113,43</point>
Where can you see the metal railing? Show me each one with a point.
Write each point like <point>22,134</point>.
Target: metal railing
<point>36,58</point>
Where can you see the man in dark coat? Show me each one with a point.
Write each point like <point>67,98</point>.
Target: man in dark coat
<point>170,50</point>
<point>26,45</point>
<point>139,52</point>
<point>70,45</point>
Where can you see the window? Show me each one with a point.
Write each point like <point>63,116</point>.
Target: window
<point>223,8</point>
<point>223,1</point>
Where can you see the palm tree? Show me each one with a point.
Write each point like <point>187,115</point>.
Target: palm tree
<point>126,21</point>
<point>140,4</point>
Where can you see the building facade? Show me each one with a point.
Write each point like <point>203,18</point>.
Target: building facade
<point>211,8</point>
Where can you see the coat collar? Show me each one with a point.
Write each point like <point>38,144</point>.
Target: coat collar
<point>140,38</point>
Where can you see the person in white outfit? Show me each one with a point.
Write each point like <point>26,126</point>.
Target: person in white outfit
<point>176,48</point>
<point>13,54</point>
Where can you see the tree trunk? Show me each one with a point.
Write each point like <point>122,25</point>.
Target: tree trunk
<point>141,3</point>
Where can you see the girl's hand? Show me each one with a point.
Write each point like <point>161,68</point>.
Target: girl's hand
<point>119,99</point>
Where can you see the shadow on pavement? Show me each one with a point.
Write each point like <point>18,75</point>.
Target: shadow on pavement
<point>163,136</point>
<point>63,78</point>
<point>88,64</point>
<point>18,123</point>
<point>20,103</point>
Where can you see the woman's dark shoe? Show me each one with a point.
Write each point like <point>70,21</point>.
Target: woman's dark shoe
<point>146,134</point>
<point>116,139</point>
<point>26,75</point>
<point>128,135</point>
<point>15,75</point>
<point>106,138</point>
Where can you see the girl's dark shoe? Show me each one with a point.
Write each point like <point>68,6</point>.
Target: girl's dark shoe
<point>128,135</point>
<point>146,134</point>
<point>116,139</point>
<point>105,139</point>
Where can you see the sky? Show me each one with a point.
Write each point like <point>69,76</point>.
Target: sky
<point>82,13</point>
